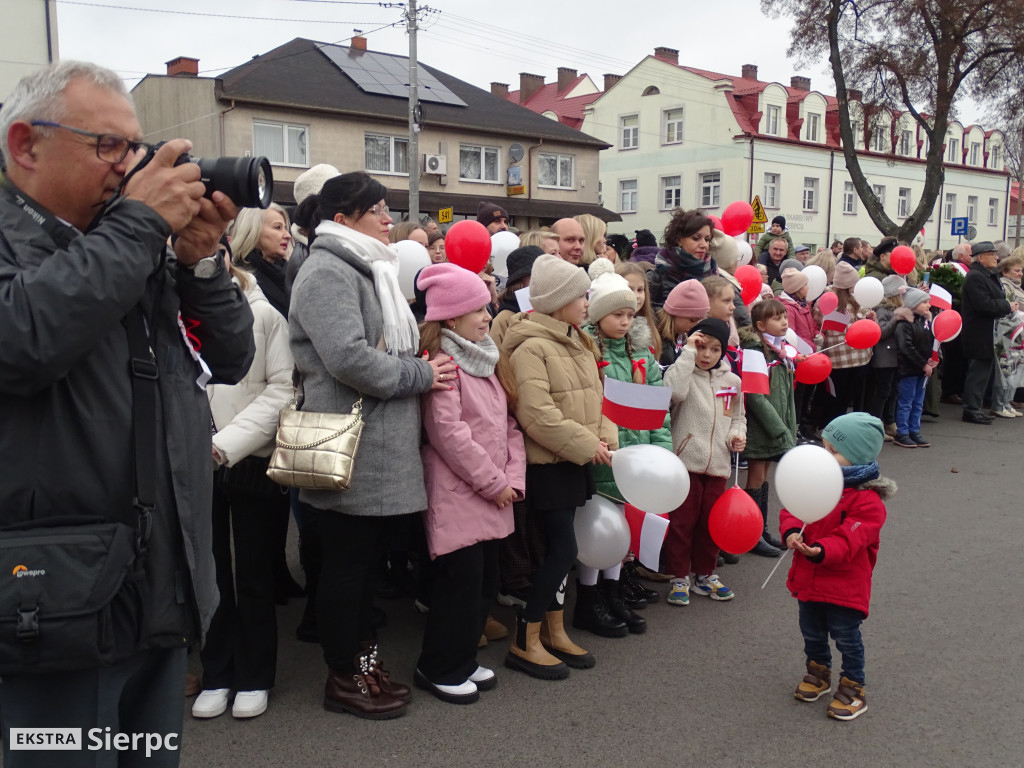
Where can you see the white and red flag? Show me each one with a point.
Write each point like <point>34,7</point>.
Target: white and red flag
<point>635,406</point>
<point>754,373</point>
<point>802,347</point>
<point>835,321</point>
<point>935,350</point>
<point>646,535</point>
<point>940,298</point>
<point>961,268</point>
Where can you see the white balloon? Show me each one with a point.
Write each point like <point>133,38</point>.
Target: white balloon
<point>746,252</point>
<point>651,478</point>
<point>869,292</point>
<point>412,257</point>
<point>502,244</point>
<point>602,533</point>
<point>809,482</point>
<point>817,279</point>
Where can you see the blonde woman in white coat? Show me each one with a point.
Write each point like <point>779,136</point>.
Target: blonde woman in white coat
<point>240,654</point>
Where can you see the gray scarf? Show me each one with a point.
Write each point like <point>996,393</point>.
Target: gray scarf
<point>477,359</point>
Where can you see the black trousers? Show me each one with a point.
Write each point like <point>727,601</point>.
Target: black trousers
<point>560,553</point>
<point>464,587</point>
<point>975,383</point>
<point>849,384</point>
<point>954,367</point>
<point>351,547</point>
<point>883,399</point>
<point>143,694</point>
<point>241,645</point>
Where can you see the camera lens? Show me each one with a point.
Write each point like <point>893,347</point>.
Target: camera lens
<point>248,181</point>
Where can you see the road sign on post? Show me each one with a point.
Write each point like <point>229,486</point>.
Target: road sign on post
<point>759,215</point>
<point>958,226</point>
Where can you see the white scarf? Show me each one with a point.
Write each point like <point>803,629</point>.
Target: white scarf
<point>400,331</point>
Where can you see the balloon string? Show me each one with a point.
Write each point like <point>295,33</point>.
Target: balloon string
<point>780,561</point>
<point>834,346</point>
<point>736,463</point>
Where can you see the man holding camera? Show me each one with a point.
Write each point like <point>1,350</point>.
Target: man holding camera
<point>84,270</point>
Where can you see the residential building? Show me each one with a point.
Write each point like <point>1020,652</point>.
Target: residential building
<point>28,39</point>
<point>306,103</point>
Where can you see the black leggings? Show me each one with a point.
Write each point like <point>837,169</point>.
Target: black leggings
<point>560,542</point>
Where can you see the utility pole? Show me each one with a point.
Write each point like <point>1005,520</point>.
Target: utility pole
<point>414,113</point>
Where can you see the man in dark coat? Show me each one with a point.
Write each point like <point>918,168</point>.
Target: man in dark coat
<point>982,302</point>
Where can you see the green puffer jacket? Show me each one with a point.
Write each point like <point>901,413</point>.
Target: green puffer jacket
<point>771,418</point>
<point>620,367</point>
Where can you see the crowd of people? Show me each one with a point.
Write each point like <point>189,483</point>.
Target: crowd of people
<point>483,424</point>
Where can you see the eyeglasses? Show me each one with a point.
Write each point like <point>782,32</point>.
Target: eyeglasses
<point>379,210</point>
<point>110,147</point>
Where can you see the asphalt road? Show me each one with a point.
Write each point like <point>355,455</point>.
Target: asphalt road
<point>711,684</point>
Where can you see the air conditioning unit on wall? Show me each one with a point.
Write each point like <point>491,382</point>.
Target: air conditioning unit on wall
<point>436,165</point>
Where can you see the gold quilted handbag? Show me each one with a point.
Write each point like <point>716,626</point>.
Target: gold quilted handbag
<point>316,450</point>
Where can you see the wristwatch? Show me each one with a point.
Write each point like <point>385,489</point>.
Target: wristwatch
<point>205,268</point>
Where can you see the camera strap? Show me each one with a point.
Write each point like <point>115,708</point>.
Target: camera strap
<point>60,232</point>
<point>144,374</point>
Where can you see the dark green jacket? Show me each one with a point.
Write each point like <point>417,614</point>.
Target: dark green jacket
<point>771,418</point>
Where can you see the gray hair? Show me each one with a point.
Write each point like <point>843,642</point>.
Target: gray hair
<point>40,96</point>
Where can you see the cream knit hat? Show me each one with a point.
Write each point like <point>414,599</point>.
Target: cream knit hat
<point>555,283</point>
<point>609,292</point>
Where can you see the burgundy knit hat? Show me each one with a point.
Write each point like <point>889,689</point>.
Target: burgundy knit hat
<point>451,291</point>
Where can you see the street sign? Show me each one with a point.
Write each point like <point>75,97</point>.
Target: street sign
<point>759,214</point>
<point>959,226</point>
<point>972,232</point>
<point>444,216</point>
<point>755,229</point>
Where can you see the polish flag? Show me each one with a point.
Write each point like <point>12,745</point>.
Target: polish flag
<point>802,347</point>
<point>835,321</point>
<point>962,269</point>
<point>935,350</point>
<point>940,297</point>
<point>754,370</point>
<point>635,406</point>
<point>646,535</point>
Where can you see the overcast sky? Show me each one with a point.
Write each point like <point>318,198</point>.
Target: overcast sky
<point>462,37</point>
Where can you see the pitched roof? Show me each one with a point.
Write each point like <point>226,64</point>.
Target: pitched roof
<point>300,75</point>
<point>548,98</point>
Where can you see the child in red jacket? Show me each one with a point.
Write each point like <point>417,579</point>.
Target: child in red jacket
<point>833,561</point>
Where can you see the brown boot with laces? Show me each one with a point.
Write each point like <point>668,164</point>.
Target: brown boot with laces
<point>361,692</point>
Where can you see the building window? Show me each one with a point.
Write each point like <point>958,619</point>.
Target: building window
<point>975,153</point>
<point>772,128</point>
<point>771,190</point>
<point>953,147</point>
<point>878,139</point>
<point>997,158</point>
<point>879,192</point>
<point>903,203</point>
<point>478,163</point>
<point>630,129</point>
<point>849,198</point>
<point>556,171</point>
<point>387,154</point>
<point>280,143</point>
<point>972,209</point>
<point>905,138</point>
<point>671,192</point>
<point>950,212</point>
<point>993,211</point>
<point>857,129</point>
<point>673,126</point>
<point>810,194</point>
<point>710,189</point>
<point>813,122</point>
<point>628,196</point>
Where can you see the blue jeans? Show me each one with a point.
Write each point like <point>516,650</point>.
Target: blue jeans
<point>910,403</point>
<point>818,621</point>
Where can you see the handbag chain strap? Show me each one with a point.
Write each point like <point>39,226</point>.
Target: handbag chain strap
<point>357,410</point>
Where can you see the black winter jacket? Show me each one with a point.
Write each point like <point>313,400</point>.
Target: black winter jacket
<point>914,341</point>
<point>981,302</point>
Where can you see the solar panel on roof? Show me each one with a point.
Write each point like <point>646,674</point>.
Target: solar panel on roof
<point>388,75</point>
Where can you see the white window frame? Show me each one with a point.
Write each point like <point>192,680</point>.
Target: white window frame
<point>560,183</point>
<point>396,144</point>
<point>906,137</point>
<point>953,150</point>
<point>903,203</point>
<point>676,125</point>
<point>483,151</point>
<point>849,199</point>
<point>771,190</point>
<point>677,190</point>
<point>972,209</point>
<point>878,139</point>
<point>810,201</point>
<point>949,207</point>
<point>996,157</point>
<point>975,155</point>
<point>879,192</point>
<point>993,211</point>
<point>629,196</point>
<point>629,135</point>
<point>772,118</point>
<point>813,127</point>
<point>284,128</point>
<point>710,189</point>
<point>857,129</point>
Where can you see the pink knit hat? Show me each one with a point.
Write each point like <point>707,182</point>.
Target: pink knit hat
<point>688,299</point>
<point>451,291</point>
<point>793,280</point>
<point>845,276</point>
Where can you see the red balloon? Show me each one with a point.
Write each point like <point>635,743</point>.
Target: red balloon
<point>863,334</point>
<point>717,222</point>
<point>828,303</point>
<point>468,244</point>
<point>903,260</point>
<point>947,325</point>
<point>750,281</point>
<point>813,369</point>
<point>737,218</point>
<point>735,522</point>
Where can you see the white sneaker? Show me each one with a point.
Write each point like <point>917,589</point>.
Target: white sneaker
<point>249,704</point>
<point>484,678</point>
<point>211,703</point>
<point>1007,414</point>
<point>463,693</point>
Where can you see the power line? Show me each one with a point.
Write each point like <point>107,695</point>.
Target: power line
<point>204,13</point>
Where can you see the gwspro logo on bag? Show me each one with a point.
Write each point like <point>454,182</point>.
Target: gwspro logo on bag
<point>21,571</point>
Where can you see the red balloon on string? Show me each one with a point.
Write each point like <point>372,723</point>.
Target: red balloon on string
<point>828,303</point>
<point>750,281</point>
<point>863,334</point>
<point>903,260</point>
<point>735,522</point>
<point>813,369</point>
<point>947,325</point>
<point>717,222</point>
<point>737,218</point>
<point>468,244</point>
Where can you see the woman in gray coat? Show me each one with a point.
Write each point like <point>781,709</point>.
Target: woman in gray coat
<point>353,336</point>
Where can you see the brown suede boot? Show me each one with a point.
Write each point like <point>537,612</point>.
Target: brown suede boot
<point>494,629</point>
<point>816,683</point>
<point>848,702</point>
<point>361,693</point>
<point>554,638</point>
<point>526,654</point>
